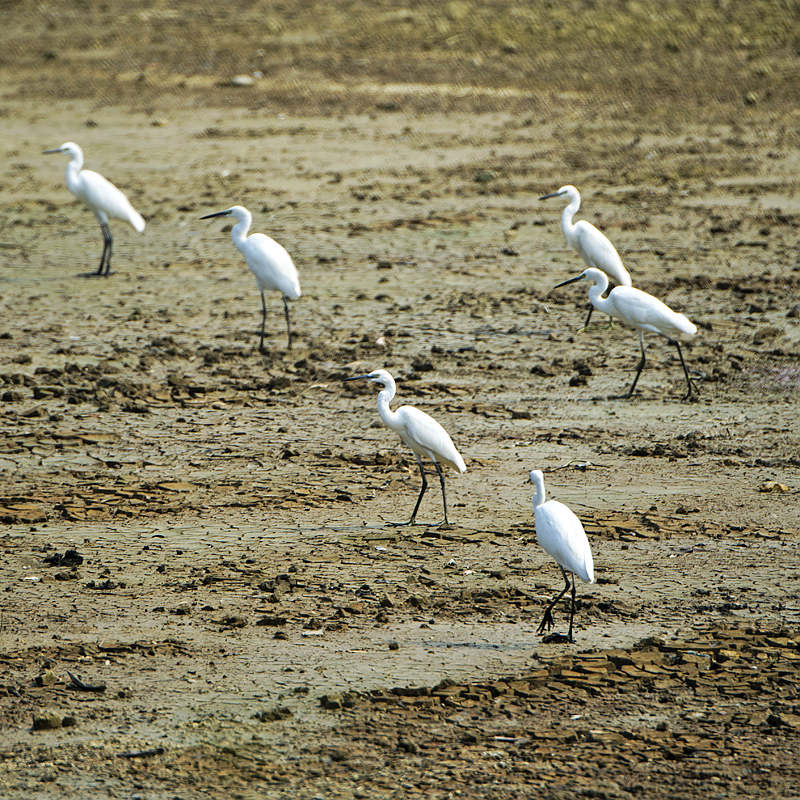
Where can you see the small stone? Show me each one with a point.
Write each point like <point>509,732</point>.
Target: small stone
<point>407,745</point>
<point>581,367</point>
<point>333,702</point>
<point>47,721</point>
<point>271,621</point>
<point>766,333</point>
<point>241,80</point>
<point>47,678</point>
<point>233,621</point>
<point>422,364</point>
<point>70,558</point>
<point>273,714</point>
<point>773,486</point>
<point>330,702</point>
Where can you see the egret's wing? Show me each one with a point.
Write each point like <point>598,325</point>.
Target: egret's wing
<point>598,251</point>
<point>272,265</point>
<point>642,310</point>
<point>426,433</point>
<point>99,193</point>
<point>561,534</point>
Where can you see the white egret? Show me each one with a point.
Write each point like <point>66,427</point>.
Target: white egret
<point>102,197</point>
<point>268,261</point>
<point>421,432</point>
<point>561,534</point>
<point>642,311</point>
<point>591,244</point>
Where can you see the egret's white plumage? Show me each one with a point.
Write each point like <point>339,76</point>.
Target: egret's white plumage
<point>560,533</point>
<point>101,196</point>
<point>591,244</point>
<point>639,310</point>
<point>268,261</point>
<point>421,432</point>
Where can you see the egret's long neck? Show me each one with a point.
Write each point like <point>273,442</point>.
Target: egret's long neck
<point>539,496</point>
<point>388,417</point>
<point>74,168</point>
<point>239,232</point>
<point>567,226</point>
<point>596,295</point>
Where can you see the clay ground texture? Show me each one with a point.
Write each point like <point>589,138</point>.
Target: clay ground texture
<point>259,629</point>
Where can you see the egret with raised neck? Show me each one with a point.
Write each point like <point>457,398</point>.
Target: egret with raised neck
<point>560,534</point>
<point>421,432</point>
<point>593,246</point>
<point>268,261</point>
<point>101,196</point>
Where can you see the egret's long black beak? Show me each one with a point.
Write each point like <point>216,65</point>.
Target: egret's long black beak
<point>356,377</point>
<point>53,150</point>
<point>564,283</point>
<point>552,194</point>
<point>217,214</point>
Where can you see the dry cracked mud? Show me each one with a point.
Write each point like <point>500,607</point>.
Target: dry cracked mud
<point>200,591</point>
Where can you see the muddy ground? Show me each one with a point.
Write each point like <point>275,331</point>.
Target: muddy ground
<point>200,535</point>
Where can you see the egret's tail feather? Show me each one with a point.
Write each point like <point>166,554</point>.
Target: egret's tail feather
<point>686,326</point>
<point>136,220</point>
<point>588,567</point>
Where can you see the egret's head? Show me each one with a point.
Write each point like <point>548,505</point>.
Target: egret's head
<point>536,477</point>
<point>592,274</point>
<point>568,190</point>
<point>380,376</point>
<point>68,147</point>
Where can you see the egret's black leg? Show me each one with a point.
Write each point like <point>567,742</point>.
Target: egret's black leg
<point>572,609</point>
<point>288,325</point>
<point>105,258</point>
<point>419,498</point>
<point>105,247</point>
<point>691,390</point>
<point>547,619</point>
<point>421,491</point>
<point>639,369</point>
<point>444,497</point>
<point>588,316</point>
<point>263,322</point>
<point>108,252</point>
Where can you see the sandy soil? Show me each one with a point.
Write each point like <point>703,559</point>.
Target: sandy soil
<point>257,626</point>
